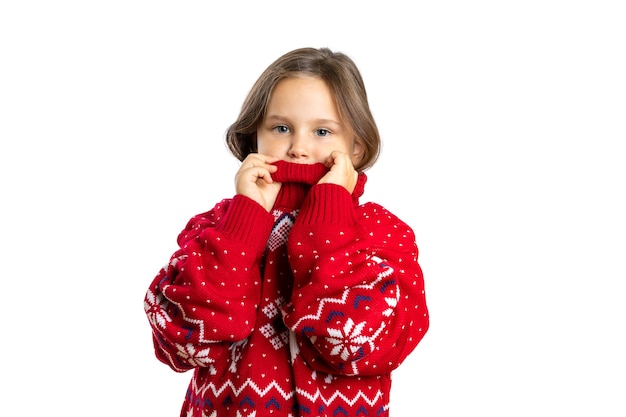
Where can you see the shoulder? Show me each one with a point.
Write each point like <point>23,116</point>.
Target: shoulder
<point>205,220</point>
<point>376,215</point>
<point>377,211</point>
<point>213,216</point>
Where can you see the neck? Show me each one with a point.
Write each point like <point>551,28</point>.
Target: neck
<point>297,180</point>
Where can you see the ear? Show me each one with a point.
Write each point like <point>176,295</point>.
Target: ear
<point>358,152</point>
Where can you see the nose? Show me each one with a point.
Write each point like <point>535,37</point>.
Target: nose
<point>298,148</point>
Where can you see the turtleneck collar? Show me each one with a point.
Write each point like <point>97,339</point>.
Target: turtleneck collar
<point>297,180</point>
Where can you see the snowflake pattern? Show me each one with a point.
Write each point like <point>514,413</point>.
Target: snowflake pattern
<point>155,308</point>
<point>236,351</point>
<point>392,303</point>
<point>196,357</point>
<point>348,340</point>
<point>270,329</point>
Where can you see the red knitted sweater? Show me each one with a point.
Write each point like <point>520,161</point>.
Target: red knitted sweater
<point>304,311</point>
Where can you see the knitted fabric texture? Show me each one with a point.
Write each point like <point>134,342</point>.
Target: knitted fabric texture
<point>303,311</point>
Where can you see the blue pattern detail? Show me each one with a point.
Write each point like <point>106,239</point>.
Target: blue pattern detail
<point>165,280</point>
<point>360,298</point>
<point>283,216</point>
<point>362,410</point>
<point>340,410</point>
<point>189,332</point>
<point>246,400</point>
<point>272,402</point>
<point>333,314</point>
<point>307,329</point>
<point>386,284</point>
<point>360,354</point>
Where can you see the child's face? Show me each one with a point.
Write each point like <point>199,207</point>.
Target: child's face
<point>302,124</point>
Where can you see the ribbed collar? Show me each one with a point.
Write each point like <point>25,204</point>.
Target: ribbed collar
<point>297,180</point>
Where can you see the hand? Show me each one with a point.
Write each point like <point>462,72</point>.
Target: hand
<point>254,180</point>
<point>341,172</point>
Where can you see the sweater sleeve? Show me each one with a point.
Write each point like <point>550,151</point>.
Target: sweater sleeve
<point>206,297</point>
<point>358,306</point>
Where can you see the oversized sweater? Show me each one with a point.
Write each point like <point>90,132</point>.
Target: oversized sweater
<point>302,311</point>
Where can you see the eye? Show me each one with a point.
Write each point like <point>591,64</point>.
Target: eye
<point>281,129</point>
<point>322,132</point>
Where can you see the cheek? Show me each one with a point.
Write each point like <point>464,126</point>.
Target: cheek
<point>268,147</point>
<point>261,142</point>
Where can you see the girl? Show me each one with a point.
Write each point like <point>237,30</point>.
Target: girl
<point>291,298</point>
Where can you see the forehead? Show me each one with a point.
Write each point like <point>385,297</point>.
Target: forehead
<point>302,95</point>
<point>301,84</point>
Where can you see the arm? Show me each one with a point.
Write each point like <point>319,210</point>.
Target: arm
<point>358,304</point>
<point>206,297</point>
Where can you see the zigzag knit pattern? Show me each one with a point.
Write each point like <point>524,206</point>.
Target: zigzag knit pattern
<point>304,311</point>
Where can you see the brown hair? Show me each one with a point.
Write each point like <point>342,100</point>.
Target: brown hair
<point>342,77</point>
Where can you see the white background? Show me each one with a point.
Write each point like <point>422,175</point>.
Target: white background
<point>503,125</point>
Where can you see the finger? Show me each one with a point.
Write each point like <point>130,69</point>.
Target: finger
<point>339,159</point>
<point>261,158</point>
<point>331,160</point>
<point>265,175</point>
<point>253,174</point>
<point>259,161</point>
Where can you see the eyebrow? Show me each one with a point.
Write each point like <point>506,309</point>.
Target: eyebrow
<point>316,121</point>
